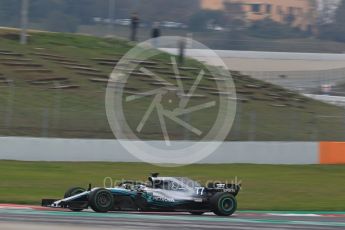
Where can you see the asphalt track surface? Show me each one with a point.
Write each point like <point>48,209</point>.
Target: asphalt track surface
<point>17,217</point>
<point>267,61</point>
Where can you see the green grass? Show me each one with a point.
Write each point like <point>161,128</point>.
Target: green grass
<point>27,110</point>
<point>264,187</point>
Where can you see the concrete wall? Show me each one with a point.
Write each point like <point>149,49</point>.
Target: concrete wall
<point>51,149</point>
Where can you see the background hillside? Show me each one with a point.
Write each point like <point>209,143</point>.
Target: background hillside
<point>55,87</point>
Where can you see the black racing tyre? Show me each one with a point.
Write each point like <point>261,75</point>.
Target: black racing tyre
<point>72,192</point>
<point>101,200</point>
<point>223,204</point>
<point>197,213</point>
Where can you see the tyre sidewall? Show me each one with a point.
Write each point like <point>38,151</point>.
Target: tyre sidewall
<point>72,192</point>
<point>219,202</point>
<point>101,200</point>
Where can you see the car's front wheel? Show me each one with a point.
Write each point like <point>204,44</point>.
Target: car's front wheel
<point>72,192</point>
<point>101,200</point>
<point>223,204</point>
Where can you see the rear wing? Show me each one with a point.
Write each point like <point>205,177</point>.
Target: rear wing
<point>233,189</point>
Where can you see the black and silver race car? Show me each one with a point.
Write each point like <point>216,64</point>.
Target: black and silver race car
<point>160,194</point>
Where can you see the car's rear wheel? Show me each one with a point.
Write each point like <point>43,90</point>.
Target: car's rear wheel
<point>223,204</point>
<point>101,200</point>
<point>72,192</point>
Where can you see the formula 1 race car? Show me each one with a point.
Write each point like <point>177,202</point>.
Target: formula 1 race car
<point>160,194</point>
